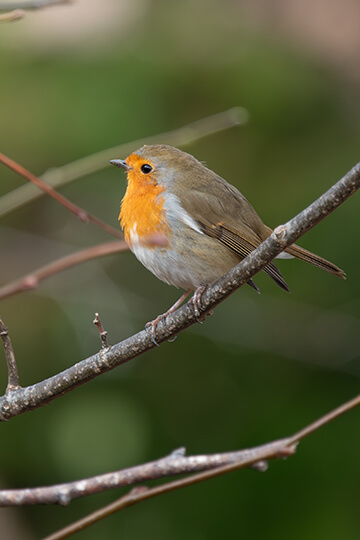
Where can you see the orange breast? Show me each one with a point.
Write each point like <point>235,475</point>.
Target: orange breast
<point>142,214</point>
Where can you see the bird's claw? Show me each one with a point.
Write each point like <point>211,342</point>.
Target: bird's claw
<point>196,302</point>
<point>153,324</point>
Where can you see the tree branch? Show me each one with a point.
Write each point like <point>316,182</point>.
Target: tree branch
<point>175,464</point>
<point>172,465</point>
<point>74,208</point>
<point>204,467</point>
<point>32,280</point>
<point>35,4</point>
<point>31,397</point>
<point>14,15</point>
<point>183,136</point>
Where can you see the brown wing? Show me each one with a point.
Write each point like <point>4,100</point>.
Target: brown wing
<point>243,235</point>
<point>241,247</point>
<point>224,213</point>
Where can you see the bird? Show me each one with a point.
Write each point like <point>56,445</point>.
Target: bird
<point>189,226</point>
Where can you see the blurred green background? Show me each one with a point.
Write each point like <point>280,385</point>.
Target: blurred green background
<point>80,78</point>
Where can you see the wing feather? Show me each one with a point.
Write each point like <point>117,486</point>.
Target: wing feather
<point>218,222</point>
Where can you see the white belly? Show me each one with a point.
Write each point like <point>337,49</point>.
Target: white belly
<point>191,259</point>
<point>167,266</point>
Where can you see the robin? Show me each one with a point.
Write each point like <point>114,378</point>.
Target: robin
<point>188,226</point>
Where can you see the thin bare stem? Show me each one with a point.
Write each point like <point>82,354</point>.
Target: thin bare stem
<point>37,395</point>
<point>36,4</point>
<point>105,511</point>
<point>32,280</point>
<point>74,208</point>
<point>183,136</point>
<point>329,417</point>
<point>102,332</point>
<point>13,377</point>
<point>14,15</point>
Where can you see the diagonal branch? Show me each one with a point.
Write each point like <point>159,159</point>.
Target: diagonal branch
<point>278,449</point>
<point>172,465</point>
<point>74,208</point>
<point>35,4</point>
<point>39,394</point>
<point>281,449</point>
<point>14,15</point>
<point>32,280</point>
<point>183,136</point>
<point>206,466</point>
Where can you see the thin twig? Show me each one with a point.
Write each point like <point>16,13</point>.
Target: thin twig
<point>14,15</point>
<point>210,469</point>
<point>36,4</point>
<point>13,377</point>
<point>37,395</point>
<point>183,136</point>
<point>74,208</point>
<point>137,494</point>
<point>329,417</point>
<point>102,332</point>
<point>32,280</point>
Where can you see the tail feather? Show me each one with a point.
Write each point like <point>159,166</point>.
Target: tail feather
<point>253,285</point>
<point>315,260</point>
<point>273,272</point>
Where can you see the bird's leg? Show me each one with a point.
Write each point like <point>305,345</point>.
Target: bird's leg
<point>159,318</point>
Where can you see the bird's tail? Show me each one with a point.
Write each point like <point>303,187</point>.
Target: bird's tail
<point>316,260</point>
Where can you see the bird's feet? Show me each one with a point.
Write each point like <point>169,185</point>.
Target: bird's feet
<point>153,324</point>
<point>196,302</point>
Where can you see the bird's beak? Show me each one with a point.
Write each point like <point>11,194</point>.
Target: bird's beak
<point>120,163</point>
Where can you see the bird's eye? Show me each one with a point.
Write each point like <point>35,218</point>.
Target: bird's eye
<point>146,168</point>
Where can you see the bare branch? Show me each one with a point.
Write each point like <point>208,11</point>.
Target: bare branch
<point>171,465</point>
<point>126,500</point>
<point>183,136</point>
<point>204,467</point>
<point>74,208</point>
<point>102,332</point>
<point>13,377</point>
<point>32,280</point>
<point>14,15</point>
<point>282,448</point>
<point>326,419</point>
<point>36,4</point>
<point>31,397</point>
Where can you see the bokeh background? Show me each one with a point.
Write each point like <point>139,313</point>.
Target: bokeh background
<point>79,78</point>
